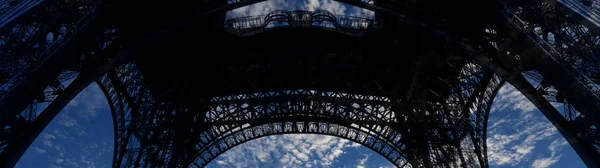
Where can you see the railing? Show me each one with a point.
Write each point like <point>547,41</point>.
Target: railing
<point>320,19</point>
<point>589,9</point>
<point>550,51</point>
<point>11,9</point>
<point>19,71</point>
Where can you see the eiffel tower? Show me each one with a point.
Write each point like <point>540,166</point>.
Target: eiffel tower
<point>185,83</point>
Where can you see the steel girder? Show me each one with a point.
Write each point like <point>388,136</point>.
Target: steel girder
<point>349,25</point>
<point>572,133</point>
<point>136,115</point>
<point>15,145</point>
<point>586,12</point>
<point>565,64</point>
<point>39,49</point>
<point>38,55</point>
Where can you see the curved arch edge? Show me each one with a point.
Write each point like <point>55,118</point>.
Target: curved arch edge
<point>386,149</point>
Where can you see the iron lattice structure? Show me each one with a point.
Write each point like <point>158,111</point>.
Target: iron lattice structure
<point>415,84</point>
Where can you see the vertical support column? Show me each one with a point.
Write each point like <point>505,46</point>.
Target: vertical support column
<point>189,123</point>
<point>182,136</point>
<point>421,143</point>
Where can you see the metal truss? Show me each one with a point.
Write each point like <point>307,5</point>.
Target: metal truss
<point>132,115</point>
<point>440,121</point>
<point>36,49</point>
<point>586,12</point>
<point>43,59</point>
<point>143,133</point>
<point>558,54</point>
<point>251,25</point>
<point>365,137</point>
<point>22,130</point>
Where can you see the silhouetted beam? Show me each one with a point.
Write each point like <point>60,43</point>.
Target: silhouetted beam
<point>17,17</point>
<point>303,97</point>
<point>561,5</point>
<point>299,117</point>
<point>557,75</point>
<point>113,109</point>
<point>134,107</point>
<point>586,151</point>
<point>478,93</point>
<point>22,95</point>
<point>490,103</point>
<point>181,138</point>
<point>15,149</point>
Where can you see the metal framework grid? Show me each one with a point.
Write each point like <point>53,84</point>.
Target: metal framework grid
<point>51,50</point>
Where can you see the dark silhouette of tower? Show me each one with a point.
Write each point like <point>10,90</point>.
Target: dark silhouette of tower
<point>185,84</point>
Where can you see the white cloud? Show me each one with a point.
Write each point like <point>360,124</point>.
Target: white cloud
<point>513,148</point>
<point>87,162</point>
<point>545,162</point>
<point>554,147</point>
<point>38,150</point>
<point>48,136</point>
<point>47,139</point>
<point>67,121</point>
<point>86,104</point>
<point>363,161</point>
<point>510,98</point>
<point>48,144</point>
<point>513,136</point>
<point>354,145</point>
<point>77,145</point>
<point>557,145</point>
<point>288,150</point>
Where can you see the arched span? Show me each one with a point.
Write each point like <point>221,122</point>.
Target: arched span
<point>106,87</point>
<point>349,25</point>
<point>388,148</point>
<point>483,110</point>
<point>126,111</point>
<point>299,103</point>
<point>229,113</point>
<point>367,120</point>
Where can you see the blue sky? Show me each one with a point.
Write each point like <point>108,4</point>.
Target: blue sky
<point>82,134</point>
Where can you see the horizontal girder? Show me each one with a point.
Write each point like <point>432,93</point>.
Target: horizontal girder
<point>251,25</point>
<point>299,103</point>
